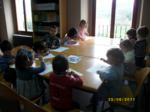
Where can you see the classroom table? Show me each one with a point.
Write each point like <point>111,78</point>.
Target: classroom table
<point>93,47</point>
<point>90,52</point>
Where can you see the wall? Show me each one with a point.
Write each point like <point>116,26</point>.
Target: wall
<point>73,13</point>
<point>3,31</point>
<point>77,10</point>
<point>145,14</point>
<point>9,18</point>
<point>84,10</point>
<point>144,18</point>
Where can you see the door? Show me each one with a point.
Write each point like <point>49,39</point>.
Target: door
<point>113,17</point>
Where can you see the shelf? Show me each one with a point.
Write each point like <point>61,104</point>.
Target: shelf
<point>46,13</point>
<point>46,23</point>
<point>45,1</point>
<point>43,11</point>
<point>45,6</point>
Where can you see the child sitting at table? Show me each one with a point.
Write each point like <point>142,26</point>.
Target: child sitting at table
<point>111,75</point>
<point>61,83</point>
<point>7,59</point>
<point>40,48</point>
<point>129,63</point>
<point>131,34</point>
<point>29,84</point>
<point>140,46</point>
<point>82,30</point>
<point>52,40</point>
<point>71,37</point>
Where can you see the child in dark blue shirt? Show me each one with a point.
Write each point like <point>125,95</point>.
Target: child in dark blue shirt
<point>5,60</point>
<point>28,82</point>
<point>52,40</point>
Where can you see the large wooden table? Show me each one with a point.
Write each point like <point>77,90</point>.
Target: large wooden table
<point>90,52</point>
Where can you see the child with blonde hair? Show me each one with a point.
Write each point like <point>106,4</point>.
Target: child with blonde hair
<point>128,51</point>
<point>82,30</point>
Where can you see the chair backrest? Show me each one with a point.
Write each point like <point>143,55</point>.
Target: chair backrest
<point>10,101</point>
<point>29,106</point>
<point>147,61</point>
<point>140,77</point>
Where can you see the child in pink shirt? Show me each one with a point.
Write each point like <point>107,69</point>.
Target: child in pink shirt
<point>82,30</point>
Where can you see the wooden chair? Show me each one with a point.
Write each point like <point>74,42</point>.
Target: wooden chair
<point>10,101</point>
<point>4,81</point>
<point>147,61</point>
<point>130,105</point>
<point>49,108</point>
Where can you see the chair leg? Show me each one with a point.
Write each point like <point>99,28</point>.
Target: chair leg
<point>103,104</point>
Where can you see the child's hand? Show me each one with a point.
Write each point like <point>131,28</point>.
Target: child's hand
<point>102,59</point>
<point>41,59</point>
<point>98,72</point>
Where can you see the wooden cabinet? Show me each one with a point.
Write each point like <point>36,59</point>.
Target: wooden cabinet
<point>46,13</point>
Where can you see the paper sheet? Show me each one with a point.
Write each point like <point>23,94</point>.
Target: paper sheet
<point>76,44</point>
<point>78,73</point>
<point>47,70</point>
<point>73,59</point>
<point>12,66</point>
<point>97,67</point>
<point>48,56</point>
<point>60,49</point>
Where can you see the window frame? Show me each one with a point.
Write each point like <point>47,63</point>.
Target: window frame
<point>15,20</point>
<point>112,29</point>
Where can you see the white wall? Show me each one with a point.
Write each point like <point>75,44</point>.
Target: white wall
<point>73,13</point>
<point>9,18</point>
<point>77,10</point>
<point>84,9</point>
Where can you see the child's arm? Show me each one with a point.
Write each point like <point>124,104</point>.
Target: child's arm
<point>75,80</point>
<point>104,60</point>
<point>56,44</point>
<point>41,68</point>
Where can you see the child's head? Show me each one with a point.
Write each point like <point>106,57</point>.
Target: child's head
<point>72,33</point>
<point>126,46</point>
<point>60,65</point>
<point>40,47</point>
<point>6,47</point>
<point>115,56</point>
<point>142,32</point>
<point>24,58</point>
<point>83,24</point>
<point>131,33</point>
<point>53,30</point>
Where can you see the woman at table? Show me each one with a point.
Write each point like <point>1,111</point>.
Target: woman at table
<point>28,82</point>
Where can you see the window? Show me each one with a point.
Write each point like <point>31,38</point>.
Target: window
<point>24,15</point>
<point>115,17</point>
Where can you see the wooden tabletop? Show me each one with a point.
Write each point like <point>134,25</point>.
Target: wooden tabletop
<point>90,51</point>
<point>91,81</point>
